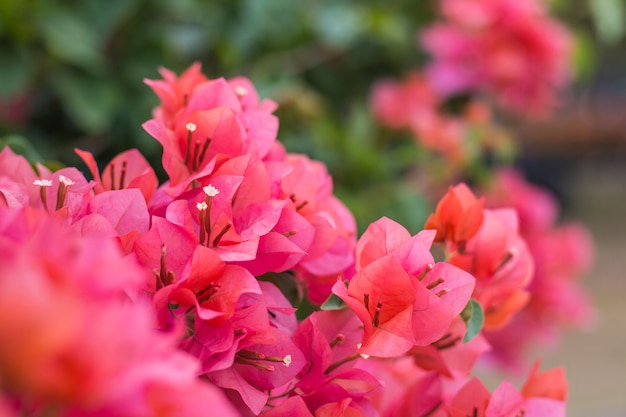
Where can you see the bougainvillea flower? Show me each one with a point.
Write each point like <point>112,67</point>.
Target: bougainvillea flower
<point>64,351</point>
<point>129,169</point>
<point>126,210</point>
<point>510,49</point>
<point>328,340</point>
<point>259,368</point>
<point>260,124</point>
<point>458,216</point>
<point>487,244</point>
<point>499,259</point>
<point>401,104</point>
<point>536,208</point>
<point>175,92</point>
<point>543,395</point>
<point>16,180</point>
<point>203,119</point>
<point>307,187</point>
<point>399,293</point>
<point>450,355</point>
<point>165,250</point>
<point>210,286</point>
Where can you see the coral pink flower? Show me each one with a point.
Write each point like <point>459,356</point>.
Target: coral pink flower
<point>402,297</point>
<point>458,216</point>
<point>129,169</point>
<point>175,92</point>
<point>16,181</point>
<point>543,395</point>
<point>499,259</point>
<point>562,254</point>
<point>209,286</point>
<point>450,356</point>
<point>510,49</point>
<point>201,119</point>
<point>487,244</point>
<point>87,344</point>
<point>402,104</point>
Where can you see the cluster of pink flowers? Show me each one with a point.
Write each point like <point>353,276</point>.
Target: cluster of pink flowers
<point>509,49</point>
<point>507,52</point>
<point>414,104</point>
<point>123,297</point>
<point>562,255</point>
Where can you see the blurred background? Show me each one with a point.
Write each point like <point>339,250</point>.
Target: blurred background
<point>71,75</point>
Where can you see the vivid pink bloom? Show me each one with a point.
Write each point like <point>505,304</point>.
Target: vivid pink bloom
<point>209,286</point>
<point>200,120</point>
<point>175,92</point>
<point>487,244</point>
<point>499,259</point>
<point>458,216</point>
<point>450,356</point>
<point>543,395</point>
<point>307,188</point>
<point>16,181</point>
<point>329,340</point>
<point>129,169</point>
<point>511,49</point>
<point>87,342</point>
<point>402,297</point>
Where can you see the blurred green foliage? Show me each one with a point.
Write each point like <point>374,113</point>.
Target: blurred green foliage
<point>72,71</point>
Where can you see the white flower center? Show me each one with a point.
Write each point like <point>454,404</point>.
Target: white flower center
<point>210,190</point>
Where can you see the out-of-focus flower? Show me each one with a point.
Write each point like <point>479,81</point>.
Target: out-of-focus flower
<point>413,104</point>
<point>510,49</point>
<point>562,254</point>
<point>84,341</point>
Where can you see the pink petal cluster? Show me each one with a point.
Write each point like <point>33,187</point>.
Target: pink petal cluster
<point>400,294</point>
<point>510,49</point>
<point>77,337</point>
<point>123,297</point>
<point>414,104</point>
<point>563,253</point>
<point>486,243</point>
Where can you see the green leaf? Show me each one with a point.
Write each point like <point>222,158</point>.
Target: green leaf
<point>18,70</point>
<point>584,55</point>
<point>473,317</point>
<point>333,303</point>
<point>89,101</point>
<point>608,16</point>
<point>71,39</point>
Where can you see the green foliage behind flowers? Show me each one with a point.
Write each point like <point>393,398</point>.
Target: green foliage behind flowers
<point>72,71</point>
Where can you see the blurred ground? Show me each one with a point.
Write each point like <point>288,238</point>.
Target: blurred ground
<point>596,361</point>
<point>595,191</point>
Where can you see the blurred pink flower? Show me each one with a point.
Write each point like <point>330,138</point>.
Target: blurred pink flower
<point>510,49</point>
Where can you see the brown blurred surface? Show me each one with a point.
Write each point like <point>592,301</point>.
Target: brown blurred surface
<point>595,361</point>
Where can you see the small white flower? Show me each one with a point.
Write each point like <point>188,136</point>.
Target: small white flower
<point>43,183</point>
<point>65,181</point>
<point>210,190</point>
<point>191,127</point>
<point>202,206</point>
<point>241,91</point>
<point>287,360</point>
